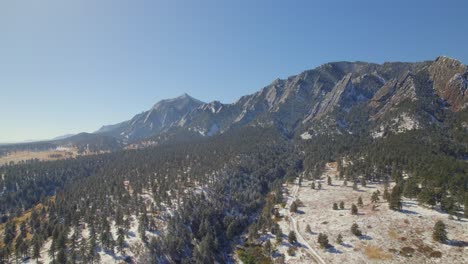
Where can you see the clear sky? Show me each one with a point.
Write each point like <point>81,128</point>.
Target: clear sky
<point>71,66</point>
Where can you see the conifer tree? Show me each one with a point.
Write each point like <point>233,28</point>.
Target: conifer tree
<point>121,240</point>
<point>355,230</point>
<point>466,205</point>
<point>386,194</point>
<point>293,208</point>
<point>323,240</point>
<point>339,239</point>
<point>363,182</point>
<point>341,205</point>
<point>359,201</point>
<point>268,247</point>
<point>395,199</point>
<point>354,209</point>
<point>440,233</point>
<point>355,186</point>
<point>292,239</point>
<point>335,206</point>
<point>375,197</point>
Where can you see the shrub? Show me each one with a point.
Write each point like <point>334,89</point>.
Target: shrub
<point>339,239</point>
<point>292,251</point>
<point>335,206</point>
<point>407,251</point>
<point>323,240</point>
<point>355,230</point>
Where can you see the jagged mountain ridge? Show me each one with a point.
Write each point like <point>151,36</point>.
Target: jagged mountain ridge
<point>161,116</point>
<point>318,100</point>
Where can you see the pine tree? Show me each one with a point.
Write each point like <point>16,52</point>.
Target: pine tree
<point>448,204</point>
<point>355,230</point>
<point>355,186</point>
<point>363,182</point>
<point>411,189</point>
<point>36,246</point>
<point>341,205</point>
<point>440,233</point>
<point>375,197</point>
<point>308,229</point>
<point>319,185</point>
<point>91,254</point>
<point>323,240</point>
<point>339,239</point>
<point>292,239</point>
<point>335,206</point>
<point>466,205</point>
<point>329,180</point>
<point>359,201</point>
<point>121,240</point>
<point>395,199</point>
<point>293,208</point>
<point>268,247</point>
<point>354,209</point>
<point>427,196</point>
<point>386,194</point>
<point>312,185</point>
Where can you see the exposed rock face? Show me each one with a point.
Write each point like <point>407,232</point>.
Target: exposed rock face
<point>161,116</point>
<point>450,81</point>
<point>333,97</point>
<point>392,94</point>
<point>343,89</point>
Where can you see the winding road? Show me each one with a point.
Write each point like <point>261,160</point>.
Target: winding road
<point>294,226</point>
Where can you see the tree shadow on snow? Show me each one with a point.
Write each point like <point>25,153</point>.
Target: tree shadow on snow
<point>334,250</point>
<point>365,237</point>
<point>346,245</point>
<point>456,243</point>
<point>405,211</point>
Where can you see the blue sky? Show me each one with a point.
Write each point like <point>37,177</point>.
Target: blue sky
<point>71,66</point>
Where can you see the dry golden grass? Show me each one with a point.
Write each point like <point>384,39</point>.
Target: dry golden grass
<point>40,155</point>
<point>393,234</point>
<point>20,219</point>
<point>373,252</point>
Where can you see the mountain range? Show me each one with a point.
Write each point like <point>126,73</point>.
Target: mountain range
<point>337,97</point>
<point>388,97</point>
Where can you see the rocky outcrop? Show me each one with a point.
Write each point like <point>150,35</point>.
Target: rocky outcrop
<point>449,78</point>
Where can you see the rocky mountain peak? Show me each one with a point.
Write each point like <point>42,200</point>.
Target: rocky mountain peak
<point>449,78</point>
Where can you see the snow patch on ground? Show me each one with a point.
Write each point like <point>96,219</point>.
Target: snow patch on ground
<point>306,136</point>
<point>385,231</point>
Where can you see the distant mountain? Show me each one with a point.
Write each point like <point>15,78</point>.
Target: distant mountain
<point>63,137</point>
<point>159,118</point>
<point>90,142</point>
<point>331,98</point>
<point>334,98</point>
